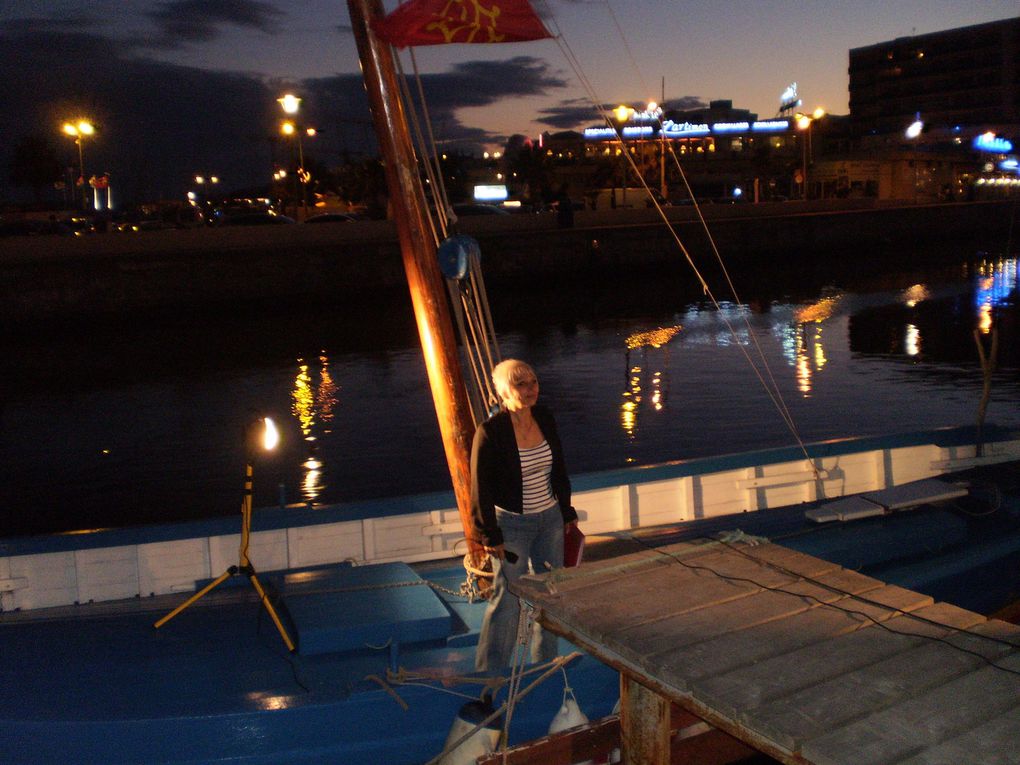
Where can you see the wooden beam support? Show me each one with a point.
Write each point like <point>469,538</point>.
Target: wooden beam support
<point>644,724</point>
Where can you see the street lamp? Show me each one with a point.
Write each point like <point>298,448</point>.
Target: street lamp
<point>79,130</point>
<point>804,123</point>
<point>653,108</point>
<point>290,105</point>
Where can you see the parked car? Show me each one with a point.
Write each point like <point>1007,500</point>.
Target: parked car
<point>333,217</point>
<point>31,227</point>
<point>467,208</point>
<point>256,219</point>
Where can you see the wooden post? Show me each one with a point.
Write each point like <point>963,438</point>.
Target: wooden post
<point>428,291</point>
<point>644,724</point>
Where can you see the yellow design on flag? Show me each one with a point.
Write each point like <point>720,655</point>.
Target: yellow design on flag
<point>467,20</point>
<point>442,22</point>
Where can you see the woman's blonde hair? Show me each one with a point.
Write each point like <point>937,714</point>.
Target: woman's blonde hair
<point>508,372</point>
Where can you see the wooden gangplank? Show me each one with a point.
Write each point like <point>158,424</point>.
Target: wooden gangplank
<point>799,658</point>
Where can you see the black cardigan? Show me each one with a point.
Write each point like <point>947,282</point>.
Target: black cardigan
<point>496,472</point>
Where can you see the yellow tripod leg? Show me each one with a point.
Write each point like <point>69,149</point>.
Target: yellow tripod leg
<point>218,580</point>
<point>272,611</point>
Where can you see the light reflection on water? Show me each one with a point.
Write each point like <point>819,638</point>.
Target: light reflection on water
<point>648,380</point>
<point>312,407</point>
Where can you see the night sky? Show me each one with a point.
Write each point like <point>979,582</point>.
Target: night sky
<point>179,87</point>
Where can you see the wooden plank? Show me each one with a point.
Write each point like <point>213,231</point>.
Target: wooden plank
<point>692,583</point>
<point>993,743</point>
<point>922,722</point>
<point>740,647</point>
<point>675,631</point>
<point>915,493</point>
<point>673,635</point>
<point>703,581</point>
<point>763,564</point>
<point>594,574</point>
<point>790,672</point>
<point>806,693</point>
<point>673,590</point>
<point>787,559</point>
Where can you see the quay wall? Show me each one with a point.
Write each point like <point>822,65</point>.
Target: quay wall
<point>59,278</point>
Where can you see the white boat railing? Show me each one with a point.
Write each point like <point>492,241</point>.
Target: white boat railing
<point>68,569</point>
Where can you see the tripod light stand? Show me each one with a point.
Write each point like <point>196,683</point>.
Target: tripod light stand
<point>264,428</point>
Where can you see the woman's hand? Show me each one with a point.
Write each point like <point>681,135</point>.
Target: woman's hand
<point>495,552</point>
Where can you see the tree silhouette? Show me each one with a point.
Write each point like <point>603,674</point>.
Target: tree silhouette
<point>34,165</point>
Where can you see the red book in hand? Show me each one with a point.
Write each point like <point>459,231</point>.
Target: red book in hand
<point>573,546</point>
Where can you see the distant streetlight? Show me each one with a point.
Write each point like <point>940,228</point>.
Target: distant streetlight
<point>290,105</point>
<point>804,123</point>
<point>79,131</point>
<point>653,108</point>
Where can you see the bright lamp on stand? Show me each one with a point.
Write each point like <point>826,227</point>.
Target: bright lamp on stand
<point>260,434</point>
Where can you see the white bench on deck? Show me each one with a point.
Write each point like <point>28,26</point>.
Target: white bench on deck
<point>886,500</point>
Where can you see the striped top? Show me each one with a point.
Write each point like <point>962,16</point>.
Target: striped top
<point>536,469</point>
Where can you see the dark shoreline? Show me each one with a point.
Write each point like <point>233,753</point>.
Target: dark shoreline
<point>54,280</point>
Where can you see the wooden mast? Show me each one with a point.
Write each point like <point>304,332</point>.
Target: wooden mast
<point>428,292</point>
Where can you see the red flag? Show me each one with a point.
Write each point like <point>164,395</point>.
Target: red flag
<point>440,22</point>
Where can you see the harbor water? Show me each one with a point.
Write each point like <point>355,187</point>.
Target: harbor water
<point>123,423</point>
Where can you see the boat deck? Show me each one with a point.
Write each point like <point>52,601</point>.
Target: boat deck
<point>800,658</point>
<point>98,683</point>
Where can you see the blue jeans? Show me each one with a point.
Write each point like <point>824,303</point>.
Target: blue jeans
<point>537,538</point>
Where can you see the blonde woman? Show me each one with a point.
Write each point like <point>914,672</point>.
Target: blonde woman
<point>520,501</point>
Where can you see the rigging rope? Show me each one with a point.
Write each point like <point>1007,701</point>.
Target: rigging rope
<point>468,298</point>
<point>772,391</point>
<point>437,223</point>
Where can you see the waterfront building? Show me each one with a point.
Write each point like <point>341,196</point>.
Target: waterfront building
<point>726,153</point>
<point>960,90</point>
<point>966,78</point>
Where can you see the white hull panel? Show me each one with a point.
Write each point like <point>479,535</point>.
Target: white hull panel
<point>641,498</point>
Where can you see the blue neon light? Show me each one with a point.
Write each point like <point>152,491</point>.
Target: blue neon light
<point>676,129</point>
<point>999,289</point>
<point>992,142</point>
<point>731,127</point>
<point>641,131</point>
<point>770,126</point>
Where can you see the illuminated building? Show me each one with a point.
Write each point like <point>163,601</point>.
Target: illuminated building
<point>727,153</point>
<point>958,77</point>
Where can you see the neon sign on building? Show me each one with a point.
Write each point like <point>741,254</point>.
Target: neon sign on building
<point>991,142</point>
<point>671,129</point>
<point>638,131</point>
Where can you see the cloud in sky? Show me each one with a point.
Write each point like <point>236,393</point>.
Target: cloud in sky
<point>340,103</point>
<point>186,21</point>
<point>159,123</point>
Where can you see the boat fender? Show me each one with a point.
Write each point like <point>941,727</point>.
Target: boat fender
<point>570,714</point>
<point>482,741</point>
<point>455,255</point>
